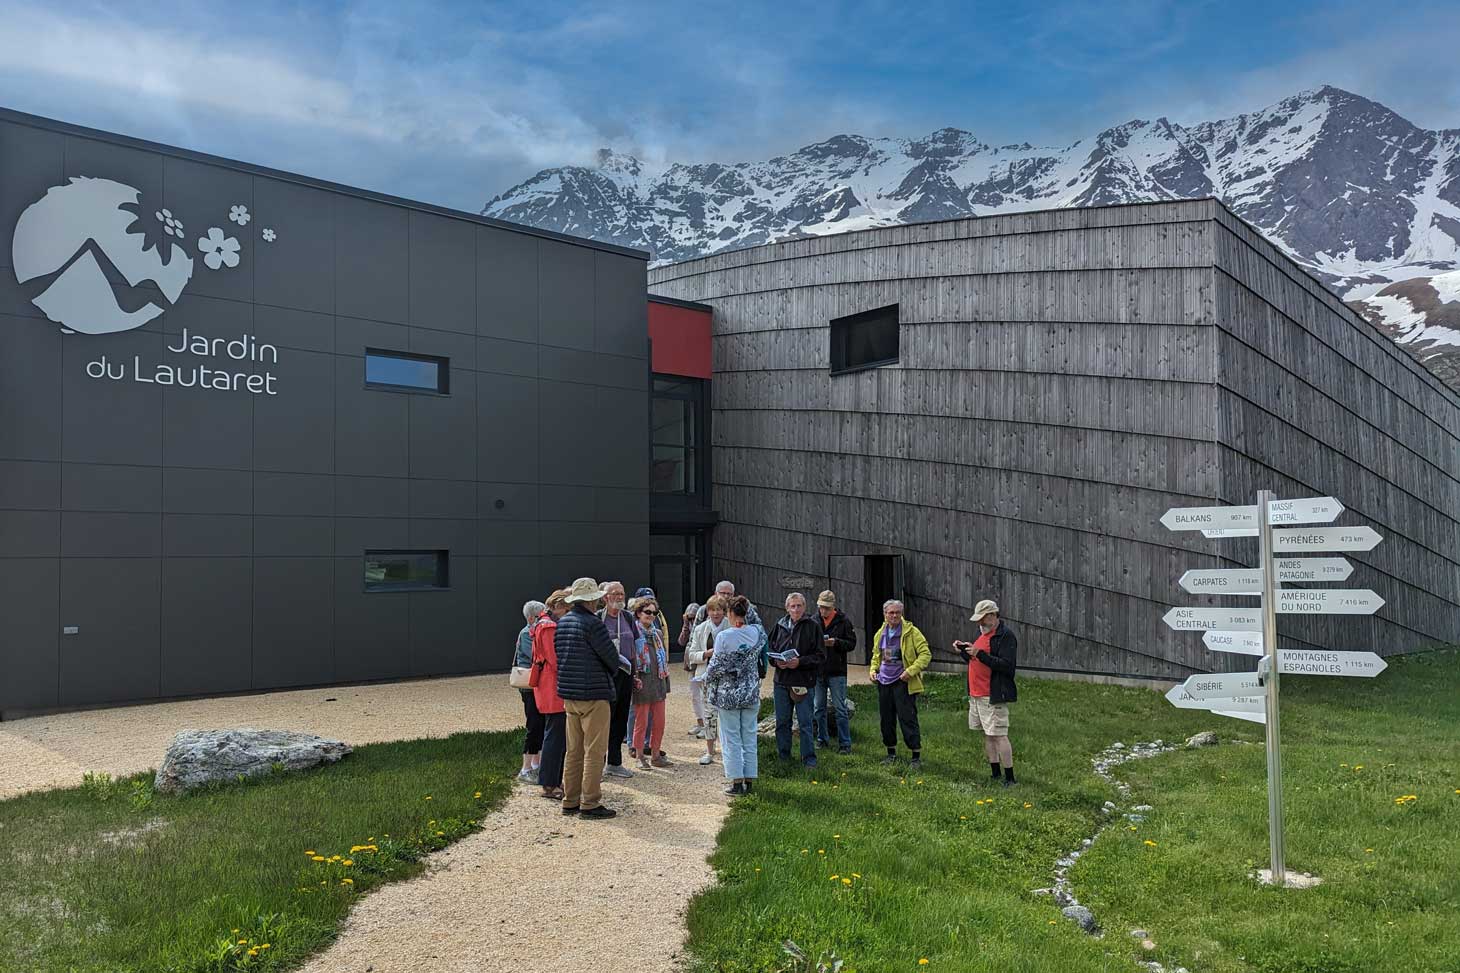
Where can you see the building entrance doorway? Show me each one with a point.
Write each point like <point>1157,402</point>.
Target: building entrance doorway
<point>882,581</point>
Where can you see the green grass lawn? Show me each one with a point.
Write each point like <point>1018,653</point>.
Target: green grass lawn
<point>941,865</point>
<point>110,877</point>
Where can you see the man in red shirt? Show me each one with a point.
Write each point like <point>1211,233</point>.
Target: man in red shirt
<point>992,660</point>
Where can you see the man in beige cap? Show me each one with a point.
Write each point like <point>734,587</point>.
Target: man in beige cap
<point>587,662</point>
<point>992,660</point>
<point>840,639</point>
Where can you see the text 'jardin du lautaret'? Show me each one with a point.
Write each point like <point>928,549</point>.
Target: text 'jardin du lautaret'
<point>244,348</point>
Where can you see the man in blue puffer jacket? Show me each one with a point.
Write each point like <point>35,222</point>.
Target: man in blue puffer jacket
<point>586,664</point>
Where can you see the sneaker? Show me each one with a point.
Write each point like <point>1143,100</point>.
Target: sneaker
<point>570,810</point>
<point>915,763</point>
<point>643,763</point>
<point>735,789</point>
<point>706,760</point>
<point>600,812</point>
<point>845,751</point>
<point>524,775</point>
<point>809,764</point>
<point>749,786</point>
<point>533,776</point>
<point>695,731</point>
<point>614,770</point>
<point>662,761</point>
<point>889,760</point>
<point>822,744</point>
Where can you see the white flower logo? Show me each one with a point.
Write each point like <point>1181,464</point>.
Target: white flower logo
<point>170,223</point>
<point>217,250</point>
<point>239,214</point>
<point>269,235</point>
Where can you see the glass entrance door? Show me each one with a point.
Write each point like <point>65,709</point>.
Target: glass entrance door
<point>676,572</point>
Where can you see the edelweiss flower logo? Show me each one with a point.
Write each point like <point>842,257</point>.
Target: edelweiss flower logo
<point>217,250</point>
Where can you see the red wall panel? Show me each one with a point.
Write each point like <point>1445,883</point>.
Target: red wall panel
<point>680,339</point>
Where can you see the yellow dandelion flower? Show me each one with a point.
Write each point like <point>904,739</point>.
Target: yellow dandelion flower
<point>253,952</point>
<point>963,817</point>
<point>235,932</point>
<point>310,852</point>
<point>264,946</point>
<point>431,822</point>
<point>1133,827</point>
<point>919,782</point>
<point>813,782</point>
<point>348,862</point>
<point>1358,766</point>
<point>846,881</point>
<point>441,834</point>
<point>835,877</point>
<point>1028,805</point>
<point>428,797</point>
<point>856,875</point>
<point>319,858</point>
<point>757,869</point>
<point>923,961</point>
<point>372,838</point>
<point>347,881</point>
<point>1051,922</point>
<point>1368,851</point>
<point>1150,843</point>
<point>1343,765</point>
<point>821,851</point>
<point>805,851</point>
<point>242,941</point>
<point>836,836</point>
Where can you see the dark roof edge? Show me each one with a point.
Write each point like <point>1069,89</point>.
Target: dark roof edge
<point>81,131</point>
<point>691,305</point>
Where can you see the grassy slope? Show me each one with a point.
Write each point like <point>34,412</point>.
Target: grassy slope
<point>937,875</point>
<point>207,863</point>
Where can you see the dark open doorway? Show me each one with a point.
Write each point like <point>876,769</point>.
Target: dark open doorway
<point>882,580</point>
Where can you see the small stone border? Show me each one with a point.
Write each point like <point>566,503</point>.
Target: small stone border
<point>1104,764</point>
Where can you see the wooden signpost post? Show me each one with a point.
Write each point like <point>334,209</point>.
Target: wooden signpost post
<point>1253,631</point>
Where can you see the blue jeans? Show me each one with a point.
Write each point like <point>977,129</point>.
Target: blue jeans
<point>803,709</point>
<point>738,742</point>
<point>836,688</point>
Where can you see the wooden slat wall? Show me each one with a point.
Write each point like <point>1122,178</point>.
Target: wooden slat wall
<point>1061,384</point>
<point>1314,401</point>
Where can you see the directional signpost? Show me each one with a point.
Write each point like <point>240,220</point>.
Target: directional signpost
<point>1253,631</point>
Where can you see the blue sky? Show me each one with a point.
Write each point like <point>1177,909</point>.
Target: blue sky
<point>454,102</point>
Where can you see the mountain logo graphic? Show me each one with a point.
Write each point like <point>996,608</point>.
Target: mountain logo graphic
<point>65,238</point>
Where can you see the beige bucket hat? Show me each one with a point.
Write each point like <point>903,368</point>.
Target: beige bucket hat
<point>584,589</point>
<point>985,607</point>
<point>827,599</point>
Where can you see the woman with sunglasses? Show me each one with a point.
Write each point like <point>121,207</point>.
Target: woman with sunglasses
<point>652,669</point>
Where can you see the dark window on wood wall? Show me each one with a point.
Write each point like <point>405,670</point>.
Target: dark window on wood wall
<point>864,340</point>
<point>406,570</point>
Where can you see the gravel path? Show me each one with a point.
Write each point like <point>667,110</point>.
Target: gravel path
<point>538,891</point>
<point>534,891</point>
<point>53,751</point>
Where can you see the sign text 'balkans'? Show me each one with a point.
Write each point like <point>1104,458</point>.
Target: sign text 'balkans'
<point>245,348</point>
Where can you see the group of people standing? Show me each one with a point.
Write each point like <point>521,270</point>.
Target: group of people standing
<point>600,673</point>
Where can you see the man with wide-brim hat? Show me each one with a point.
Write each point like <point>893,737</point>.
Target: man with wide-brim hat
<point>587,662</point>
<point>992,660</point>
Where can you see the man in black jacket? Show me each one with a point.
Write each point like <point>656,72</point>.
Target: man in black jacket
<point>796,677</point>
<point>991,664</point>
<point>839,639</point>
<point>587,662</point>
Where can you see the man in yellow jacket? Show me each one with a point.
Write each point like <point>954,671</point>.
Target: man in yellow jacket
<point>900,653</point>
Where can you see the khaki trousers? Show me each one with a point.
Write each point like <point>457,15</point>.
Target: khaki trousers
<point>587,744</point>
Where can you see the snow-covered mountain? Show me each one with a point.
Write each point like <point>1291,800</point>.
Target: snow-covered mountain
<point>1422,314</point>
<point>1357,194</point>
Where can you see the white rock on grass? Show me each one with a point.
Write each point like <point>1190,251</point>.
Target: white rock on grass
<point>1206,738</point>
<point>1080,915</point>
<point>197,757</point>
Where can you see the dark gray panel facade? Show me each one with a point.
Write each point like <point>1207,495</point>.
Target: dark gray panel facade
<point>1063,378</point>
<point>204,532</point>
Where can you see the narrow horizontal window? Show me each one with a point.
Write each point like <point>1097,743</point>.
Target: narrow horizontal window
<point>406,570</point>
<point>864,340</point>
<point>399,370</point>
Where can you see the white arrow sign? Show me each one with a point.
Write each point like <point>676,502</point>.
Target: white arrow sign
<point>1328,601</point>
<point>1205,619</point>
<point>1233,532</point>
<point>1224,685</point>
<point>1321,662</point>
<point>1178,696</point>
<point>1224,581</point>
<point>1247,643</point>
<point>1324,539</point>
<point>1210,518</point>
<point>1299,569</point>
<point>1311,510</point>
